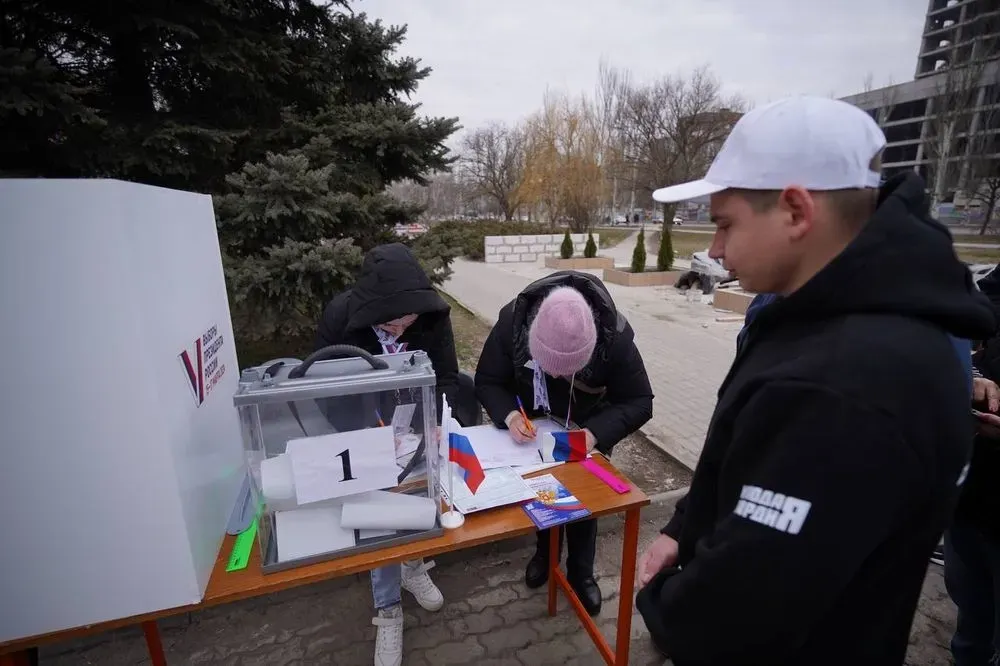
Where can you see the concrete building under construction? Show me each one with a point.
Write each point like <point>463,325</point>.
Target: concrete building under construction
<point>945,123</point>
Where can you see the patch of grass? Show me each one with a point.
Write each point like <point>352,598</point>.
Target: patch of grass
<point>685,243</point>
<point>975,255</point>
<point>470,334</point>
<point>612,236</point>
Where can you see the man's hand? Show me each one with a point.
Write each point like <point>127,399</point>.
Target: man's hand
<point>591,440</point>
<point>984,390</point>
<point>661,553</point>
<point>520,430</point>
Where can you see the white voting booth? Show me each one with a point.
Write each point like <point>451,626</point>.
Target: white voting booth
<point>122,456</point>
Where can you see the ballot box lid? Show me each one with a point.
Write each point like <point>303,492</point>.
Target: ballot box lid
<point>334,371</point>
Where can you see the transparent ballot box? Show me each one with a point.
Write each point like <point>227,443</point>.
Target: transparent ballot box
<point>337,446</point>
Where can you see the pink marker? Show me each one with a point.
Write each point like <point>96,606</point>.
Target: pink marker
<point>607,477</point>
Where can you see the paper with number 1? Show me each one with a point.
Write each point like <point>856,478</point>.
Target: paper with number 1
<point>343,463</point>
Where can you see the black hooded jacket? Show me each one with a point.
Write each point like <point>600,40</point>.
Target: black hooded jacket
<point>392,284</point>
<point>833,459</point>
<point>611,396</point>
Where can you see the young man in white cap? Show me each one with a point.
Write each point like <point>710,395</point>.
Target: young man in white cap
<point>562,348</point>
<point>835,454</point>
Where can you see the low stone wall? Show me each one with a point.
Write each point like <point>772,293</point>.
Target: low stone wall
<point>517,249</point>
<point>652,278</point>
<point>734,300</point>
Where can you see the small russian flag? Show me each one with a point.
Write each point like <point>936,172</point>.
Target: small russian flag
<point>460,451</point>
<point>570,446</point>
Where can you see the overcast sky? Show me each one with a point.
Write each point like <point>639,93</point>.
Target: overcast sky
<point>494,60</point>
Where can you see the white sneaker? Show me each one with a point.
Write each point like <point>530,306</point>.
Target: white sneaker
<point>389,636</point>
<point>416,581</point>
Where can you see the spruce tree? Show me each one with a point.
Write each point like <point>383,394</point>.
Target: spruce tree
<point>639,253</point>
<point>590,249</point>
<point>665,254</point>
<point>566,249</point>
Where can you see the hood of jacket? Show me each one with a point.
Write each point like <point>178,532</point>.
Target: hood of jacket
<point>612,326</point>
<point>391,284</point>
<point>902,262</point>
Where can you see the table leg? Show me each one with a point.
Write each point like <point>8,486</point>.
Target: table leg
<point>553,567</point>
<point>630,544</point>
<point>153,643</point>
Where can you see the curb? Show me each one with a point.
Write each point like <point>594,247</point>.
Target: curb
<point>669,495</point>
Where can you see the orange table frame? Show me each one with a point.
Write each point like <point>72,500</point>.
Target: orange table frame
<point>479,528</point>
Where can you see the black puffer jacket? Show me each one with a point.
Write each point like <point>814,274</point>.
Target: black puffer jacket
<point>611,396</point>
<point>392,284</point>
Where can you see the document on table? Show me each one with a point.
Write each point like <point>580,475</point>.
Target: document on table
<point>502,486</point>
<point>495,448</point>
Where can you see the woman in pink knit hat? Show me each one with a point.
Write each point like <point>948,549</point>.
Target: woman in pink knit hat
<point>563,348</point>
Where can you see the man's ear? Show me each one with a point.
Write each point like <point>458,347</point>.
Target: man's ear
<point>800,206</point>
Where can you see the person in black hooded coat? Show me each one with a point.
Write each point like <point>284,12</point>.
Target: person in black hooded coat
<point>392,307</point>
<point>835,453</point>
<point>565,332</point>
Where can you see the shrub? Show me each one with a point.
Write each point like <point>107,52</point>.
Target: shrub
<point>665,255</point>
<point>639,253</point>
<point>590,250</point>
<point>566,249</point>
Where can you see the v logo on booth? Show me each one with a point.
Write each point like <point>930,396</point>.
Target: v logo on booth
<point>194,369</point>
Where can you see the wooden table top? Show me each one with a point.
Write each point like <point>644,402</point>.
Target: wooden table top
<point>479,528</point>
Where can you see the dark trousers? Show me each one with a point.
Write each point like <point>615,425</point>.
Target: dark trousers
<point>582,538</point>
<point>972,576</point>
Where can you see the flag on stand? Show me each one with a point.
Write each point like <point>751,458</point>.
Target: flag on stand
<point>570,446</point>
<point>460,451</point>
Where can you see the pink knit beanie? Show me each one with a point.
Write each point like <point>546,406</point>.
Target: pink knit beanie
<point>563,335</point>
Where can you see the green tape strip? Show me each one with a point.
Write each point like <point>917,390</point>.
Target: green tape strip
<point>240,556</point>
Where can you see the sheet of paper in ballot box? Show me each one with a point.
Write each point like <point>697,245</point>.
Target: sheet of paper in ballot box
<point>342,463</point>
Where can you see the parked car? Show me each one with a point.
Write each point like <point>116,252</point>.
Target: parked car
<point>678,220</point>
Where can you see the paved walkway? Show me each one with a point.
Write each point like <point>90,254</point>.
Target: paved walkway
<point>687,347</point>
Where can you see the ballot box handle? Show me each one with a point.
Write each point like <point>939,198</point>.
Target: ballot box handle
<point>335,351</point>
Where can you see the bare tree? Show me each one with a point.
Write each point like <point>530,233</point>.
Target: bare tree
<point>445,196</point>
<point>564,174</point>
<point>672,128</point>
<point>982,169</point>
<point>884,98</point>
<point>952,112</point>
<point>493,161</point>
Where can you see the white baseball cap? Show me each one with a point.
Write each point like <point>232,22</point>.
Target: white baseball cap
<point>813,142</point>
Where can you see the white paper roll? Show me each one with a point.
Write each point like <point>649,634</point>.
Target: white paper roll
<point>408,512</point>
<point>277,482</point>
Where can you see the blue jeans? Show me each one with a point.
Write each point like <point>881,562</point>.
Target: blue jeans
<point>972,577</point>
<point>386,586</point>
